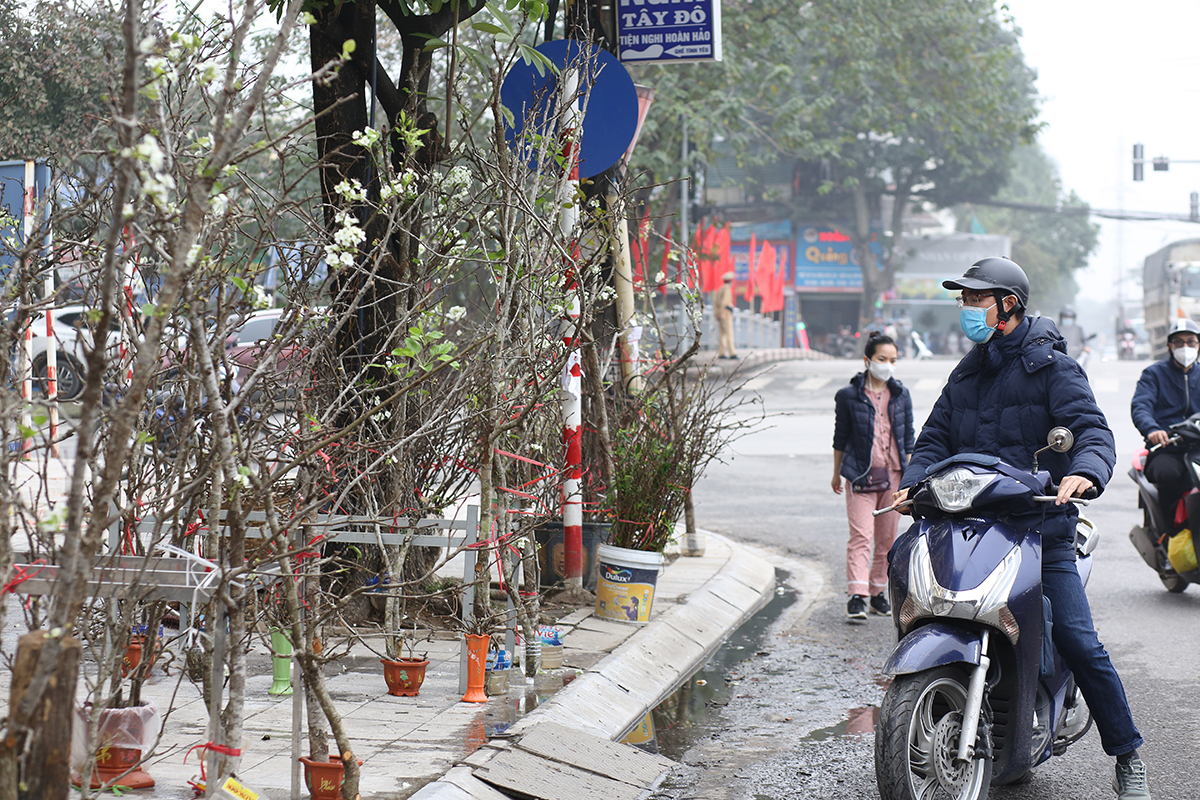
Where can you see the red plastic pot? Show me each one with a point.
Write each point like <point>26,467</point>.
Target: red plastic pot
<point>404,676</point>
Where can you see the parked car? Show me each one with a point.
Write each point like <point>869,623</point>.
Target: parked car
<point>71,336</point>
<point>250,339</point>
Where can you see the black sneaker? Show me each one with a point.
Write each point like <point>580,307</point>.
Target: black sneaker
<point>880,605</point>
<point>857,607</point>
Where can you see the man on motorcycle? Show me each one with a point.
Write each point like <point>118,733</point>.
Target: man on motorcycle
<point>1168,392</point>
<point>1002,400</point>
<point>1072,333</point>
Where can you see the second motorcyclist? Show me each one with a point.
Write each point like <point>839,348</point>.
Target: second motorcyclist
<point>1002,400</point>
<point>1169,392</point>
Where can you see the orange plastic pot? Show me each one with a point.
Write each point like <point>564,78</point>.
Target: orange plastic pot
<point>477,650</point>
<point>324,778</point>
<point>404,676</point>
<point>133,655</point>
<point>112,761</point>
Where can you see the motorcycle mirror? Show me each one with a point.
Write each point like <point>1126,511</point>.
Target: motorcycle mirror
<point>1060,439</point>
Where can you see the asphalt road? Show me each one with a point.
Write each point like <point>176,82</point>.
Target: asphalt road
<point>800,713</point>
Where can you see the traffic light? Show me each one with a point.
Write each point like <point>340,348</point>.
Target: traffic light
<point>1162,164</point>
<point>1139,158</point>
<point>1195,212</point>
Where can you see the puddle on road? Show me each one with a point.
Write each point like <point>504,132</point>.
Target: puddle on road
<point>860,721</point>
<point>692,711</point>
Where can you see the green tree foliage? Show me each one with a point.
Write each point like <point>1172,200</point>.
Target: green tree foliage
<point>1051,246</point>
<point>55,81</point>
<point>890,97</point>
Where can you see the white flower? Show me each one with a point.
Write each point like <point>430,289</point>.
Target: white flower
<point>149,149</point>
<point>259,297</point>
<point>365,138</point>
<point>349,236</point>
<point>218,205</point>
<point>161,67</point>
<point>207,72</point>
<point>456,313</point>
<point>351,190</point>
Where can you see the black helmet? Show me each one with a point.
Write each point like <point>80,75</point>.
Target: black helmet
<point>999,275</point>
<point>1067,311</point>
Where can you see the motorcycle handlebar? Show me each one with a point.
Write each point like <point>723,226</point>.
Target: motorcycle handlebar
<point>1176,439</point>
<point>877,512</point>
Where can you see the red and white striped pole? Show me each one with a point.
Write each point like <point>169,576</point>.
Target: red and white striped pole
<point>27,352</point>
<point>572,408</point>
<point>127,329</point>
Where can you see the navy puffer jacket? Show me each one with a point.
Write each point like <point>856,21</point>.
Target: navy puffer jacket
<point>854,425</point>
<point>1002,400</point>
<point>1165,395</point>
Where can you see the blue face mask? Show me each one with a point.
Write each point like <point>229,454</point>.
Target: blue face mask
<point>974,324</point>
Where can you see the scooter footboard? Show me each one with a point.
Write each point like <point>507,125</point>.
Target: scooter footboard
<point>933,645</point>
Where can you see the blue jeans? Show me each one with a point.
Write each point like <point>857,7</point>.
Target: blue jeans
<point>1075,637</point>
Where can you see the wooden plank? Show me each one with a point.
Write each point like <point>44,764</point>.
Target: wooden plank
<point>621,762</point>
<point>530,776</point>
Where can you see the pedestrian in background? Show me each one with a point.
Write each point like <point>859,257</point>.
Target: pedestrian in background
<point>872,442</point>
<point>723,314</point>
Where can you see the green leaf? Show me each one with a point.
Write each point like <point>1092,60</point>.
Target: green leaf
<point>240,283</point>
<point>487,27</point>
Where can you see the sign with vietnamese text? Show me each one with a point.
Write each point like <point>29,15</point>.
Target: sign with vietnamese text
<point>665,31</point>
<point>825,261</point>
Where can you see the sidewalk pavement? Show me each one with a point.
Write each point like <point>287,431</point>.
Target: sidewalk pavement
<point>536,741</point>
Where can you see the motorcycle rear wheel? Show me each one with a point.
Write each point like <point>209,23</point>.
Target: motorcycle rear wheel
<point>1174,583</point>
<point>916,740</point>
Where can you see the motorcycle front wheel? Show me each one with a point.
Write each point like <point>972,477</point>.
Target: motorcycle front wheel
<point>916,741</point>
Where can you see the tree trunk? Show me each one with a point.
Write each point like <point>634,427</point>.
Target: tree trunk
<point>45,770</point>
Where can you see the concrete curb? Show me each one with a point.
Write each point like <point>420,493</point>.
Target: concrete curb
<point>613,696</point>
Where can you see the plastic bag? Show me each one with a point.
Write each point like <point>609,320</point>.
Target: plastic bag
<point>134,728</point>
<point>1181,550</point>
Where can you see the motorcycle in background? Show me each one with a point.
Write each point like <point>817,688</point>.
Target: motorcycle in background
<point>1156,540</point>
<point>1127,346</point>
<point>979,695</point>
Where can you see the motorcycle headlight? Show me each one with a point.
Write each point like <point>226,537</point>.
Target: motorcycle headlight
<point>956,490</point>
<point>987,602</point>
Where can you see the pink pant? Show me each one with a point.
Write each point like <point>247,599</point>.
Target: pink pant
<point>866,572</point>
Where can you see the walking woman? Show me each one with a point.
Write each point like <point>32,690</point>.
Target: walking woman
<point>872,441</point>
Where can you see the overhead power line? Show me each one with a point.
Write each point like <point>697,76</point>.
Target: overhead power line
<point>1081,211</point>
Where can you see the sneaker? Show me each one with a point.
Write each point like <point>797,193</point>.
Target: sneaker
<point>1130,781</point>
<point>880,605</point>
<point>857,607</point>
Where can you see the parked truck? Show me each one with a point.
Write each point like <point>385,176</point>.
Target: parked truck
<point>1171,289</point>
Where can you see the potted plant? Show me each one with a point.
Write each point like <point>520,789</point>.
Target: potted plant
<point>659,444</point>
<point>403,668</point>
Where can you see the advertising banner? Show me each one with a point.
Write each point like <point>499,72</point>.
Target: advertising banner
<point>825,261</point>
<point>666,31</point>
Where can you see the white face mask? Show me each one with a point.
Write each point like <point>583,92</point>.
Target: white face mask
<point>881,371</point>
<point>1186,356</point>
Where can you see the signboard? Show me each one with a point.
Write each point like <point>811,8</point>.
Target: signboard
<point>929,260</point>
<point>669,31</point>
<point>12,201</point>
<point>825,261</point>
<point>609,120</point>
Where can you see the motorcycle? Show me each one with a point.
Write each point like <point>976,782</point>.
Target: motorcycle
<point>1152,539</point>
<point>1127,346</point>
<point>979,694</point>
